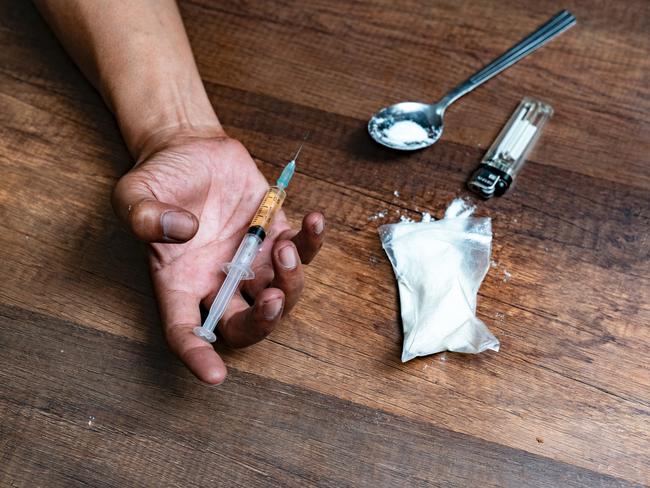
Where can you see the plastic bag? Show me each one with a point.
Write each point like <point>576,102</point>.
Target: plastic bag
<point>439,266</point>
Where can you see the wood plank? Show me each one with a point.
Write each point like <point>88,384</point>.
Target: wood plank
<point>74,416</point>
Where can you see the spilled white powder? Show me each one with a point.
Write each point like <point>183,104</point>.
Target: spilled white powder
<point>406,131</point>
<point>459,208</point>
<point>426,217</point>
<point>379,215</point>
<point>506,274</point>
<point>396,193</point>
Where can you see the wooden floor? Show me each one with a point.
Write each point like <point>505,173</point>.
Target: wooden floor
<point>89,394</point>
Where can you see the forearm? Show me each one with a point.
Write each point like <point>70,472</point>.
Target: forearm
<point>137,55</point>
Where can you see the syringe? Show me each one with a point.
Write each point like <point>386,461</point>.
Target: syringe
<point>240,267</point>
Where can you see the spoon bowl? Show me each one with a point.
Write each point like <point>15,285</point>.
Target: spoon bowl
<point>407,126</point>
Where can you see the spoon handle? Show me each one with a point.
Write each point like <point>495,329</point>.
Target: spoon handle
<point>553,27</point>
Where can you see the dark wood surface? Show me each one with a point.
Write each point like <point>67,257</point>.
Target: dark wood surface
<point>89,394</point>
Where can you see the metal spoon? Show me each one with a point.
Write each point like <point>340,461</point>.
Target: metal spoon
<point>411,125</point>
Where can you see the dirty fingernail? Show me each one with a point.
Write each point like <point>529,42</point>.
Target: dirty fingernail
<point>178,226</point>
<point>272,308</point>
<point>288,257</point>
<point>319,226</point>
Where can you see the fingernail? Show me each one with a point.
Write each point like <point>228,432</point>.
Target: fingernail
<point>319,226</point>
<point>272,308</point>
<point>177,226</point>
<point>288,257</point>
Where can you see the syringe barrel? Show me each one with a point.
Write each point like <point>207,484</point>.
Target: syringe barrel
<point>271,203</point>
<point>245,255</point>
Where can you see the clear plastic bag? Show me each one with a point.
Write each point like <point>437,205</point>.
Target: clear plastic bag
<point>439,266</point>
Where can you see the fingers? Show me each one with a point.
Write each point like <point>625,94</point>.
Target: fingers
<point>289,273</point>
<point>180,313</point>
<point>154,221</point>
<point>253,324</point>
<point>149,219</point>
<point>307,241</point>
<point>310,238</point>
<point>264,274</point>
<point>246,327</point>
<point>286,273</point>
<point>286,279</point>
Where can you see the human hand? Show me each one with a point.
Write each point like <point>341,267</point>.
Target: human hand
<point>193,192</point>
<point>192,199</point>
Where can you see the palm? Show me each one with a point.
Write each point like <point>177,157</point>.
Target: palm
<point>219,183</point>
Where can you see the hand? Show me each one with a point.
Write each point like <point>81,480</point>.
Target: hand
<point>193,192</point>
<point>192,201</point>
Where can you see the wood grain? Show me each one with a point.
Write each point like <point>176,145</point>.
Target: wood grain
<point>566,402</point>
<point>77,412</point>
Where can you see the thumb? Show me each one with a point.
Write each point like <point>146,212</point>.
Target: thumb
<point>149,219</point>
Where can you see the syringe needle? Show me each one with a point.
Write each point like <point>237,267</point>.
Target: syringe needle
<point>304,139</point>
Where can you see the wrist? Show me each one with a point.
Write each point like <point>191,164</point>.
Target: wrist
<point>163,111</point>
<point>138,55</point>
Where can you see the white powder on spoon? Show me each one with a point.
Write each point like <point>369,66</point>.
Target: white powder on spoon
<point>406,131</point>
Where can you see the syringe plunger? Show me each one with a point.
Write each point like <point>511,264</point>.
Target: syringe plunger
<point>237,270</point>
